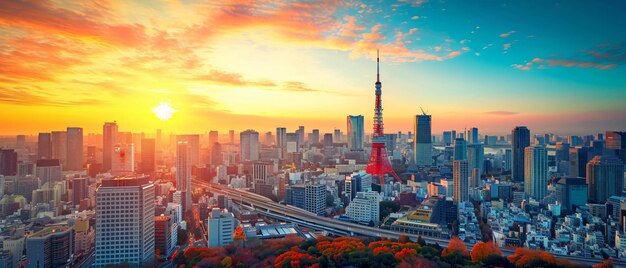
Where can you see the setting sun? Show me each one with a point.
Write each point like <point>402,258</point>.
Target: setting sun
<point>164,111</point>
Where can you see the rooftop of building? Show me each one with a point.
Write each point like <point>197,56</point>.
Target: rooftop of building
<point>50,230</point>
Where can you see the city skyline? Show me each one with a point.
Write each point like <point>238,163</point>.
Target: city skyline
<point>220,66</point>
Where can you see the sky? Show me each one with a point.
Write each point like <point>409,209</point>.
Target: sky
<point>554,66</point>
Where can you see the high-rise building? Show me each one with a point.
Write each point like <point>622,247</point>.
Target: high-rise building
<point>337,135</point>
<point>220,228</point>
<point>123,160</point>
<point>422,142</point>
<point>520,140</point>
<point>44,146</point>
<point>213,137</point>
<point>79,190</point>
<point>231,136</point>
<point>8,162</point>
<point>578,158</point>
<point>268,138</point>
<point>300,133</point>
<point>51,247</point>
<point>315,136</point>
<point>109,138</point>
<point>571,192</point>
<point>281,141</point>
<point>536,172</point>
<point>508,159</point>
<point>261,171</point>
<point>460,149</point>
<point>472,136</point>
<point>183,174</point>
<point>125,235</point>
<point>164,238</point>
<point>364,208</point>
<point>355,132</point>
<point>605,177</point>
<point>193,142</point>
<point>59,146</point>
<point>315,198</point>
<point>48,171</point>
<point>460,178</point>
<point>148,156</point>
<point>249,145</point>
<point>447,137</point>
<point>475,157</point>
<point>328,140</point>
<point>74,148</point>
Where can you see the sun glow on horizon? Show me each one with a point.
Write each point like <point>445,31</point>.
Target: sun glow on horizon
<point>164,111</point>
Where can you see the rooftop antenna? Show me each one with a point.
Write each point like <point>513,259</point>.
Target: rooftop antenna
<point>424,113</point>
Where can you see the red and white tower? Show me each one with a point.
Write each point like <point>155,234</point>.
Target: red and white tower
<point>379,161</point>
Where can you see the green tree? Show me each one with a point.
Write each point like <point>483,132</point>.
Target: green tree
<point>388,207</point>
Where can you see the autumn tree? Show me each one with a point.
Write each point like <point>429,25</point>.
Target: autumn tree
<point>482,250</point>
<point>293,259</point>
<point>239,235</point>
<point>455,245</point>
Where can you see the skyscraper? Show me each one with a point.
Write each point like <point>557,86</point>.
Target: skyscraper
<point>521,140</point>
<point>315,136</point>
<point>328,140</point>
<point>148,156</point>
<point>422,142</point>
<point>193,141</point>
<point>460,149</point>
<point>74,148</point>
<point>475,157</point>
<point>300,133</point>
<point>472,136</point>
<point>109,137</point>
<point>183,173</point>
<point>460,178</point>
<point>355,132</point>
<point>231,136</point>
<point>536,172</point>
<point>447,137</point>
<point>123,160</point>
<point>8,162</point>
<point>315,198</point>
<point>249,145</point>
<point>281,141</point>
<point>44,146</point>
<point>605,177</point>
<point>571,192</point>
<point>213,137</point>
<point>59,146</point>
<point>125,235</point>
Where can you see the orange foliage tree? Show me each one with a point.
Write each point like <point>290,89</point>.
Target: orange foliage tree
<point>455,245</point>
<point>293,258</point>
<point>482,250</point>
<point>239,235</point>
<point>334,248</point>
<point>525,257</point>
<point>607,264</point>
<point>404,253</point>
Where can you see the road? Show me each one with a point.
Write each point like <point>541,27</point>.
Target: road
<point>289,213</point>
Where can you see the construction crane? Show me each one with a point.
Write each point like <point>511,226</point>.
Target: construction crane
<point>424,113</point>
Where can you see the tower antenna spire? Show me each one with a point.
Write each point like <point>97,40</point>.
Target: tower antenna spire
<point>377,65</point>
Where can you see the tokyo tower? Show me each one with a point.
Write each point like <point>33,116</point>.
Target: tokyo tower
<point>379,161</point>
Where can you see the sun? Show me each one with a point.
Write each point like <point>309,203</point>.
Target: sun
<point>164,111</point>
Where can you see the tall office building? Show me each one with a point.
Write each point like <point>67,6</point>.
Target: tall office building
<point>422,142</point>
<point>74,148</point>
<point>59,146</point>
<point>475,157</point>
<point>220,228</point>
<point>165,234</point>
<point>300,133</point>
<point>536,172</point>
<point>148,156</point>
<point>44,146</point>
<point>571,192</point>
<point>578,158</point>
<point>109,138</point>
<point>460,149</point>
<point>213,137</point>
<point>508,159</point>
<point>268,140</point>
<point>183,174</point>
<point>281,141</point>
<point>193,141</point>
<point>125,235</point>
<point>123,160</point>
<point>355,132</point>
<point>8,162</point>
<point>231,136</point>
<point>79,190</point>
<point>315,136</point>
<point>521,140</point>
<point>249,145</point>
<point>48,171</point>
<point>315,198</point>
<point>51,247</point>
<point>328,140</point>
<point>447,137</point>
<point>472,136</point>
<point>605,177</point>
<point>460,178</point>
<point>337,135</point>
